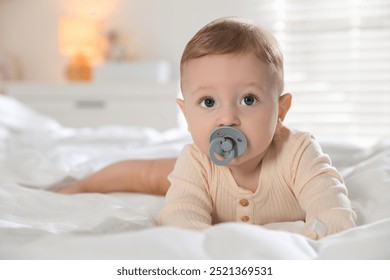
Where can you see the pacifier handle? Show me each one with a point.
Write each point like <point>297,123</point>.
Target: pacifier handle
<point>216,147</point>
<point>228,143</point>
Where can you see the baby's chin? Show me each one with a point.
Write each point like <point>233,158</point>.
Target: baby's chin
<point>246,159</point>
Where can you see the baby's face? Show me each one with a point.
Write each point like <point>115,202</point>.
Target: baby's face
<point>231,90</point>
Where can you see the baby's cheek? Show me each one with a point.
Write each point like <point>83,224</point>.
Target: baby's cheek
<point>202,143</point>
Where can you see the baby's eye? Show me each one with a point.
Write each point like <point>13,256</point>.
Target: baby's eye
<point>249,100</point>
<point>207,102</point>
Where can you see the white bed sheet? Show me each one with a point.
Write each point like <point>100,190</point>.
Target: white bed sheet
<point>37,154</point>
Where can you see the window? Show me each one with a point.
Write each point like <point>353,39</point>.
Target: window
<point>337,64</point>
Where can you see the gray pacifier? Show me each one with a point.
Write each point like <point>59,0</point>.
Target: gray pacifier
<point>228,143</point>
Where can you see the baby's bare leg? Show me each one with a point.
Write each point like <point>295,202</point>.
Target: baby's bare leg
<point>145,176</point>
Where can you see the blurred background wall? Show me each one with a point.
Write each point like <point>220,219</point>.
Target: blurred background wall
<point>150,29</point>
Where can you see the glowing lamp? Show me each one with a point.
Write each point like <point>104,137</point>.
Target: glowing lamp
<point>79,40</point>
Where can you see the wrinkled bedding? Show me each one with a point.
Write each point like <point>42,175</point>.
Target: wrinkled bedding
<point>38,155</point>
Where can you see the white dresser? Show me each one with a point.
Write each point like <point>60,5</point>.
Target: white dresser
<point>96,104</point>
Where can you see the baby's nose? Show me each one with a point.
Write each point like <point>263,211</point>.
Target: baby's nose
<point>229,117</point>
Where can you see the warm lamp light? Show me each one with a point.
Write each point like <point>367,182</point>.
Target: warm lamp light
<point>78,39</point>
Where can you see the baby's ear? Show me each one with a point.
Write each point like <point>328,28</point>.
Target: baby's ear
<point>284,105</point>
<point>181,104</point>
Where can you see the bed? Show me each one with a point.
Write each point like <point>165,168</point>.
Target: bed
<point>38,155</point>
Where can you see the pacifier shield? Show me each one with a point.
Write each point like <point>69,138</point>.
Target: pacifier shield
<point>227,142</point>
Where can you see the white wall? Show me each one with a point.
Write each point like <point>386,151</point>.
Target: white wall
<point>155,28</point>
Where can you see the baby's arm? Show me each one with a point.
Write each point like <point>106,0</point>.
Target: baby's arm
<point>321,192</point>
<point>188,203</point>
<point>145,176</point>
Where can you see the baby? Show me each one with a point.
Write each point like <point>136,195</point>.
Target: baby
<point>232,76</point>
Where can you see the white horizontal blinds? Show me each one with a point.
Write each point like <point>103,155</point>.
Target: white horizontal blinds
<point>337,64</point>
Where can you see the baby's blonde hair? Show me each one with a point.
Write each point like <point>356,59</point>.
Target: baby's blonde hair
<point>236,36</point>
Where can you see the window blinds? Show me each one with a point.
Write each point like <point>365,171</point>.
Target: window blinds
<point>337,64</point>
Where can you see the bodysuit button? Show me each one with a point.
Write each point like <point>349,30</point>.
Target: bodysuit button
<point>245,218</point>
<point>244,202</point>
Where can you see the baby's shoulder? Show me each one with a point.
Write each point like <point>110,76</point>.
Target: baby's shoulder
<point>192,159</point>
<point>191,153</point>
<point>287,136</point>
<point>289,143</point>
